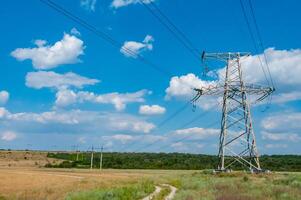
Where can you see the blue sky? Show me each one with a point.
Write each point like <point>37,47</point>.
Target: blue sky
<point>63,86</point>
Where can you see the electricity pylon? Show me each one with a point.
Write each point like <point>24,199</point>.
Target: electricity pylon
<point>237,141</point>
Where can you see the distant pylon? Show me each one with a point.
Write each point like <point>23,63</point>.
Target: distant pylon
<point>237,141</point>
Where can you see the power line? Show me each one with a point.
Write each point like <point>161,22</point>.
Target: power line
<point>170,117</point>
<point>102,35</point>
<point>172,28</point>
<point>260,40</point>
<point>181,127</point>
<point>185,137</point>
<point>253,39</point>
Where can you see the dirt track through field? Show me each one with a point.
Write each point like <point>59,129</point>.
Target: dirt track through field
<point>172,193</point>
<point>158,189</point>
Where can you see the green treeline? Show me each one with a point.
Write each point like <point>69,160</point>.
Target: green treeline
<point>115,160</point>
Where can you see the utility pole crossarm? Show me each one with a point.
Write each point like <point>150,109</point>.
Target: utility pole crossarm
<point>260,92</point>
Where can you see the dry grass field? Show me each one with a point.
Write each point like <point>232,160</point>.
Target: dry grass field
<point>30,181</point>
<point>25,159</point>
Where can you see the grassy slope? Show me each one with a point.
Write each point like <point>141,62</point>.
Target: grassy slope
<point>199,185</point>
<point>130,192</point>
<point>240,186</point>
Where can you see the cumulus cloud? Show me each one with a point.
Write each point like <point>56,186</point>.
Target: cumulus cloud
<point>82,140</point>
<point>151,110</point>
<point>65,97</point>
<point>65,51</point>
<point>281,63</point>
<point>133,49</point>
<point>282,122</point>
<point>8,136</point>
<point>88,4</point>
<point>181,87</point>
<point>119,137</point>
<point>177,145</point>
<point>73,121</point>
<point>196,133</point>
<point>282,127</point>
<point>277,146</point>
<point>43,79</point>
<point>122,3</point>
<point>74,31</point>
<point>119,100</point>
<point>293,137</point>
<point>4,96</point>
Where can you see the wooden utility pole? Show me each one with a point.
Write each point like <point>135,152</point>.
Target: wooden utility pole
<point>100,162</point>
<point>91,167</point>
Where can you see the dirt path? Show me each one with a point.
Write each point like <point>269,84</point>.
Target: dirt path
<point>158,189</point>
<point>172,193</point>
<point>152,195</point>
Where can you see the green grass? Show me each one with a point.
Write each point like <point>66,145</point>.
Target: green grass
<point>203,185</point>
<point>130,192</point>
<point>163,193</point>
<point>240,186</point>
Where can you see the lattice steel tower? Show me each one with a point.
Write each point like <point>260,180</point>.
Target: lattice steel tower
<point>237,139</point>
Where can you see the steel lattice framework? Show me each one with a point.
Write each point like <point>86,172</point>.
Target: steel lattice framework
<point>237,141</point>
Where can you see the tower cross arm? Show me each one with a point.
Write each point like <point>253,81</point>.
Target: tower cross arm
<point>261,92</point>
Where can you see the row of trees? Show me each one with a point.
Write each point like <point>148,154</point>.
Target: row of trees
<point>116,160</point>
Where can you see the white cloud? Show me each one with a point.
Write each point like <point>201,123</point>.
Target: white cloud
<point>119,137</point>
<point>177,145</point>
<point>285,68</point>
<point>4,96</point>
<point>121,3</point>
<point>293,137</point>
<point>283,122</point>
<point>74,31</point>
<point>82,140</point>
<point>277,146</point>
<point>286,97</point>
<point>65,97</point>
<point>3,112</point>
<point>119,100</point>
<point>40,43</point>
<point>88,4</point>
<point>196,133</point>
<point>8,136</point>
<point>182,88</point>
<point>132,48</point>
<point>151,110</point>
<point>73,121</point>
<point>65,51</point>
<point>135,125</point>
<point>51,79</point>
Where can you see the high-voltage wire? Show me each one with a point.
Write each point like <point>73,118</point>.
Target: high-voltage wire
<point>102,35</point>
<point>260,40</point>
<point>203,114</point>
<point>253,39</point>
<point>186,137</point>
<point>172,28</point>
<point>170,117</point>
